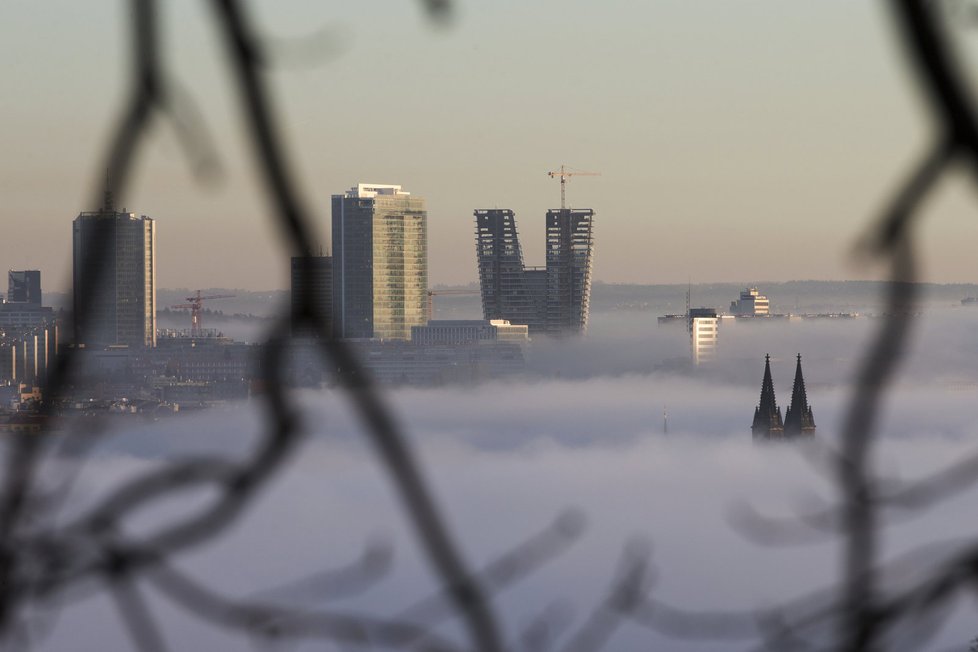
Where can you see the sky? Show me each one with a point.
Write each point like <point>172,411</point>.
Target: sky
<point>736,141</point>
<point>590,442</point>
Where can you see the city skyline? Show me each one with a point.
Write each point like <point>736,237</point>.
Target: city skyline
<point>747,131</point>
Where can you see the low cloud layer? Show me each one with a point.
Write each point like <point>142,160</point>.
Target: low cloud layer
<point>504,459</point>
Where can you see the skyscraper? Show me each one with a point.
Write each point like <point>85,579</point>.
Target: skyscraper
<point>380,262</point>
<point>24,286</point>
<point>552,300</point>
<point>115,251</point>
<point>312,280</point>
<point>703,333</point>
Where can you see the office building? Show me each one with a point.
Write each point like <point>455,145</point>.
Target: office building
<point>380,262</point>
<point>551,300</point>
<point>750,304</point>
<point>704,333</point>
<point>767,415</point>
<point>458,332</point>
<point>312,281</point>
<point>798,419</point>
<point>24,286</point>
<point>114,278</point>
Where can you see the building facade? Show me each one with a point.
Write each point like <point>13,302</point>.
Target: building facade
<point>380,262</point>
<point>24,286</point>
<point>551,300</point>
<point>114,265</point>
<point>704,332</point>
<point>312,281</point>
<point>468,331</point>
<point>751,304</point>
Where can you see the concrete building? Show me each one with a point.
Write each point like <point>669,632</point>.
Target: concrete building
<point>380,262</point>
<point>116,252</point>
<point>312,277</point>
<point>704,333</point>
<point>24,286</point>
<point>750,304</point>
<point>468,331</point>
<point>552,300</point>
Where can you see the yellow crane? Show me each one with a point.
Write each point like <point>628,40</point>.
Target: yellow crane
<point>565,172</point>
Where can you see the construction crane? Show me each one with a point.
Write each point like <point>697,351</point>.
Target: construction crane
<point>431,301</point>
<point>565,172</point>
<point>195,305</point>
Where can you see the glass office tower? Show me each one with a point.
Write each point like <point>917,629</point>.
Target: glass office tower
<point>116,252</point>
<point>380,262</point>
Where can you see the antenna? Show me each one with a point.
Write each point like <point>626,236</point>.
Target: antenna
<point>665,422</point>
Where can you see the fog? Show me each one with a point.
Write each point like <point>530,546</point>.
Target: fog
<point>583,430</point>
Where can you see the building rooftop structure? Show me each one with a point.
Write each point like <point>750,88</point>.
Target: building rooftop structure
<point>371,190</point>
<point>798,419</point>
<point>767,415</point>
<point>750,304</point>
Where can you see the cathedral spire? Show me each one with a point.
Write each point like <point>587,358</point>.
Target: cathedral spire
<point>798,420</point>
<point>767,415</point>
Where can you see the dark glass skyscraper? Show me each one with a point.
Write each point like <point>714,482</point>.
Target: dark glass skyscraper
<point>380,262</point>
<point>554,300</point>
<point>118,252</point>
<point>312,280</point>
<point>24,286</point>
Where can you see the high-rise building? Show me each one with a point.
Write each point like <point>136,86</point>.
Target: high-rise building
<point>312,280</point>
<point>380,262</point>
<point>552,300</point>
<point>798,419</point>
<point>116,252</point>
<point>509,290</point>
<point>24,286</point>
<point>703,333</point>
<point>767,415</point>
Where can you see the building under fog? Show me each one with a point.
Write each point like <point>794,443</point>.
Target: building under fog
<point>799,420</point>
<point>380,262</point>
<point>767,422</point>
<point>114,272</point>
<point>750,304</point>
<point>552,300</point>
<point>704,333</point>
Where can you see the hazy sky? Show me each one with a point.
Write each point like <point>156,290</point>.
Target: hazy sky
<point>737,140</point>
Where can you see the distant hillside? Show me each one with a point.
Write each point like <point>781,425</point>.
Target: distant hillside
<point>791,296</point>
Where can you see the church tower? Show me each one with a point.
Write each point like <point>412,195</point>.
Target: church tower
<point>767,415</point>
<point>798,420</point>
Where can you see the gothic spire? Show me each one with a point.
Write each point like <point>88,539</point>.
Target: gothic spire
<point>767,414</point>
<point>798,420</point>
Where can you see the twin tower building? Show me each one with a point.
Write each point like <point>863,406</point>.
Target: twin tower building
<point>375,284</point>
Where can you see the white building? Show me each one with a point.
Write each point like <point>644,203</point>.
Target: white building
<point>703,334</point>
<point>751,303</point>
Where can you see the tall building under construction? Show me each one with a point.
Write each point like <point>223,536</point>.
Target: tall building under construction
<point>551,300</point>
